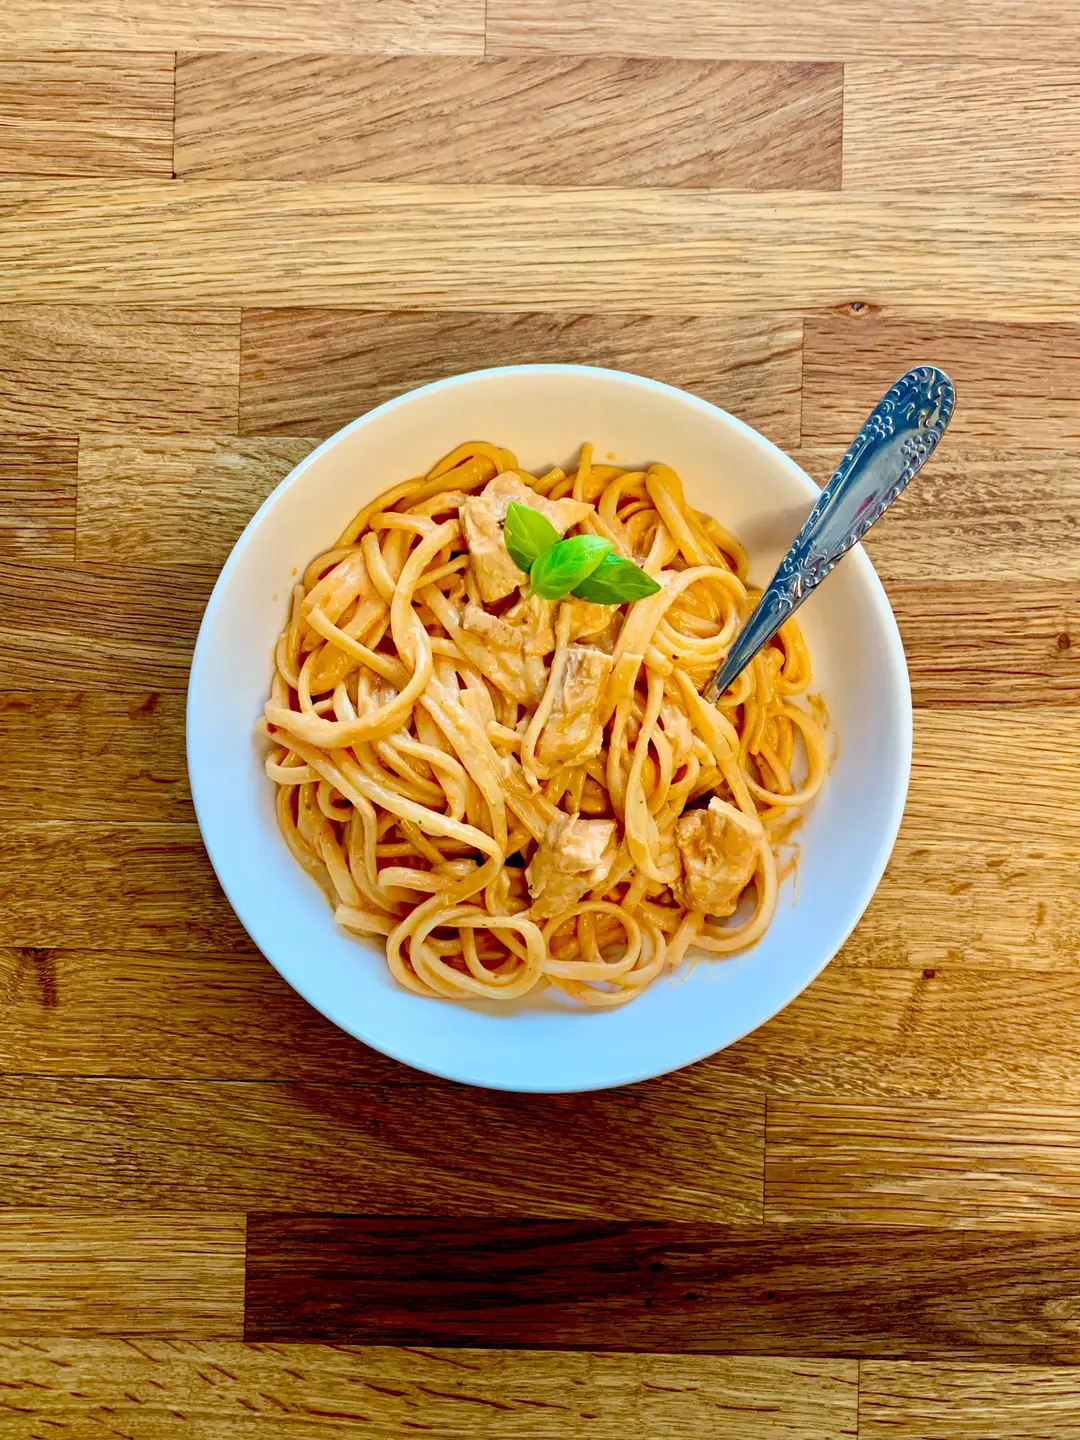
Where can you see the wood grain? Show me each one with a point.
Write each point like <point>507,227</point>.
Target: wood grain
<point>229,1016</point>
<point>37,497</point>
<point>310,371</point>
<point>932,1034</point>
<point>1004,127</point>
<point>114,629</point>
<point>91,756</point>
<point>995,643</point>
<point>770,1290</point>
<point>88,884</point>
<point>159,1390</point>
<point>542,122</point>
<point>174,500</point>
<point>874,1033</point>
<point>902,1400</point>
<point>820,29</point>
<point>440,1149</point>
<point>65,368</point>
<point>76,1274</point>
<point>977,514</point>
<point>923,1163</point>
<point>1019,384</point>
<point>443,26</point>
<point>513,248</point>
<point>999,904</point>
<point>86,114</point>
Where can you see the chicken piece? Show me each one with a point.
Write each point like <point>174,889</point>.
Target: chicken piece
<point>506,653</point>
<point>573,734</point>
<point>718,848</point>
<point>482,519</point>
<point>574,857</point>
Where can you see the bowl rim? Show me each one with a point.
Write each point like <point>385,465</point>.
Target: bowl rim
<point>874,595</point>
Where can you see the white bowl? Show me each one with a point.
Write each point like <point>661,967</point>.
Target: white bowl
<point>543,413</point>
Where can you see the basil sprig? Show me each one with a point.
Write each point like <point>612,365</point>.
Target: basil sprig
<point>582,565</point>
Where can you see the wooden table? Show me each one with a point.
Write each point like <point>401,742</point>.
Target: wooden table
<point>225,229</point>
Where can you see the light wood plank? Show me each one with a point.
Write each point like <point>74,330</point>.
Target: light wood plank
<point>542,122</point>
<point>976,514</point>
<point>500,248</point>
<point>111,628</point>
<point>874,1033</point>
<point>311,371</point>
<point>125,1274</point>
<point>910,1400</point>
<point>159,1390</point>
<point>229,1016</point>
<point>442,26</point>
<point>92,756</point>
<point>386,1149</point>
<point>1006,128</point>
<point>66,368</point>
<point>982,903</point>
<point>991,642</point>
<point>1016,384</point>
<point>926,1034</point>
<point>92,883</point>
<point>932,1163</point>
<point>174,500</point>
<point>822,29</point>
<point>86,114</point>
<point>37,497</point>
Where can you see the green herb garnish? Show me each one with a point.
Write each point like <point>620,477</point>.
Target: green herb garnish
<point>616,581</point>
<point>556,572</point>
<point>527,534</point>
<point>581,565</point>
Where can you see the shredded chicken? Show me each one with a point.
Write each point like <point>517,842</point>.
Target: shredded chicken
<point>482,519</point>
<point>574,857</point>
<point>573,731</point>
<point>513,645</point>
<point>718,848</point>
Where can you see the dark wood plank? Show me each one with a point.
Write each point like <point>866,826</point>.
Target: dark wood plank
<point>119,1274</point>
<point>905,1400</point>
<point>989,643</point>
<point>544,122</point>
<point>924,1163</point>
<point>175,500</point>
<point>161,1390</point>
<point>1016,384</point>
<point>307,372</point>
<point>89,756</point>
<point>88,884</point>
<point>977,514</point>
<point>677,1147</point>
<point>109,628</point>
<point>154,368</point>
<point>771,1290</point>
<point>86,113</point>
<point>37,497</point>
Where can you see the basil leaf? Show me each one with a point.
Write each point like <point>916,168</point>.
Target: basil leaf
<point>527,534</point>
<point>556,572</point>
<point>616,581</point>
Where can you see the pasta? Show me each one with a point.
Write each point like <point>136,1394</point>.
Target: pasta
<point>518,792</point>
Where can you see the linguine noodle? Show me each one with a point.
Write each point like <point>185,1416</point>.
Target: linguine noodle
<point>497,786</point>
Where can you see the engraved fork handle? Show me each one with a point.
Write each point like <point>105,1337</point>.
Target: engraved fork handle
<point>898,438</point>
